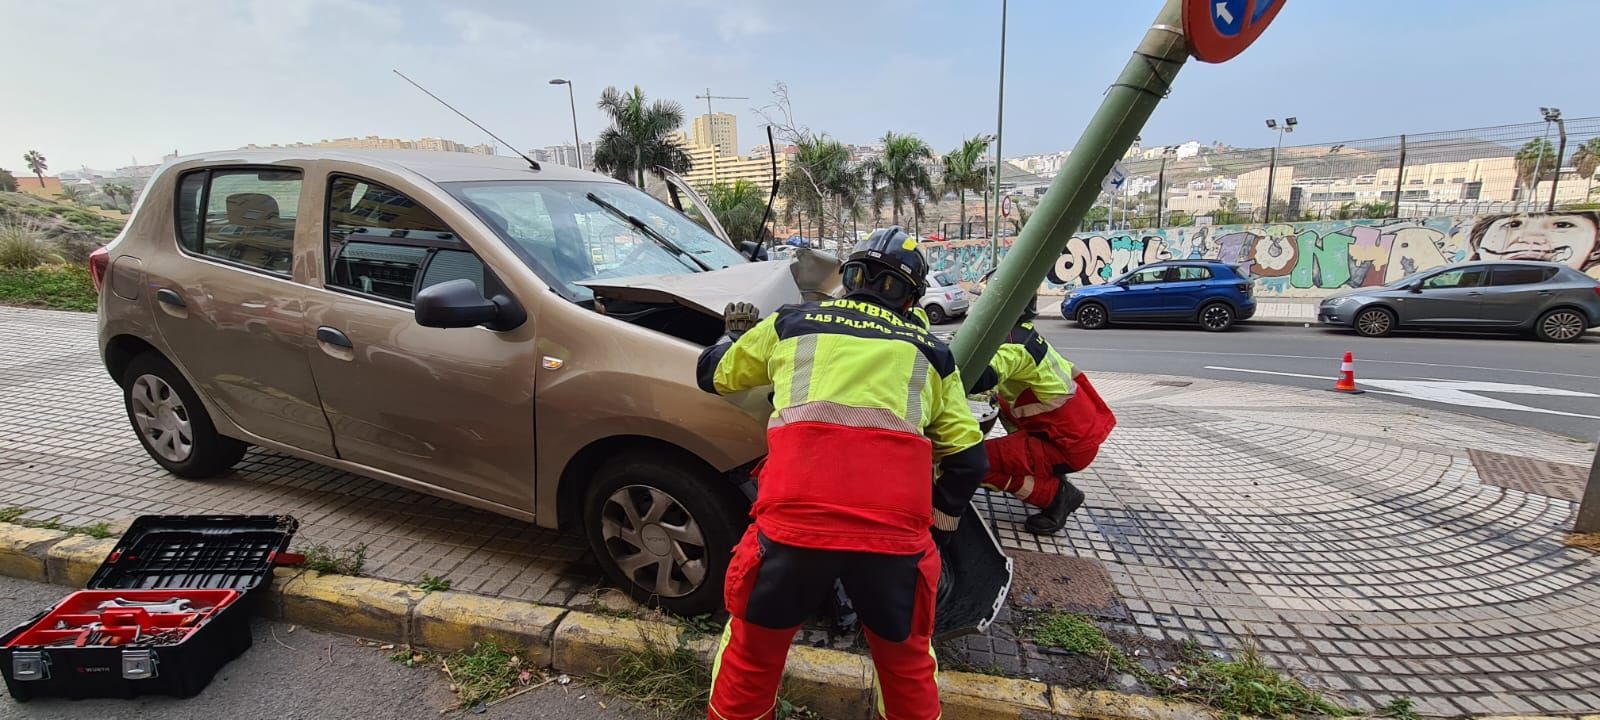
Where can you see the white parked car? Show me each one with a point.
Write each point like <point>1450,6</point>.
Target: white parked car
<point>945,299</point>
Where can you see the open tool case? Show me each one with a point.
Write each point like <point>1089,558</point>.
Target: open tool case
<point>167,609</point>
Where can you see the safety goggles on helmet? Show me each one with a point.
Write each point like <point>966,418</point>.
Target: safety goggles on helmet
<point>880,280</point>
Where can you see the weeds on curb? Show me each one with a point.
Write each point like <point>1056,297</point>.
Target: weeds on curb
<point>1246,686</point>
<point>670,678</point>
<point>13,515</point>
<point>433,583</point>
<point>1400,709</point>
<point>343,560</point>
<point>483,673</point>
<point>700,626</point>
<point>411,657</point>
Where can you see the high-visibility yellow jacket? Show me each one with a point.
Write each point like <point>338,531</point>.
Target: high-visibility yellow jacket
<point>865,403</point>
<point>1041,392</point>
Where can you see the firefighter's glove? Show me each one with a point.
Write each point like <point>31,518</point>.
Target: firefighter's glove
<point>739,317</point>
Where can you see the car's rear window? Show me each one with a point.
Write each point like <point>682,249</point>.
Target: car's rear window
<point>1519,275</point>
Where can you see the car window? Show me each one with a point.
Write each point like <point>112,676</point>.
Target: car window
<point>942,280</point>
<point>1519,275</point>
<point>1465,278</point>
<point>383,244</point>
<point>1148,277</point>
<point>242,215</point>
<point>1187,272</point>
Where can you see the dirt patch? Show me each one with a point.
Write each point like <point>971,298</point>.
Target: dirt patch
<point>1557,480</point>
<point>1067,584</point>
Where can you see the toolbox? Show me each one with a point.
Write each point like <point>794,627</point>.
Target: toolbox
<point>169,607</point>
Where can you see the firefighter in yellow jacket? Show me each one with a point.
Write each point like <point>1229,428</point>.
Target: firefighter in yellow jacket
<point>866,403</point>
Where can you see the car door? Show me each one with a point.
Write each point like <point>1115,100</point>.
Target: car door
<point>228,306</point>
<point>1451,297</point>
<point>1516,294</point>
<point>1186,289</point>
<point>1142,296</point>
<point>450,408</point>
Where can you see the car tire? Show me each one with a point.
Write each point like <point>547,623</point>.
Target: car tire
<point>1092,316</point>
<point>698,519</point>
<point>1217,317</point>
<point>1374,322</point>
<point>937,315</point>
<point>1561,325</point>
<point>171,422</point>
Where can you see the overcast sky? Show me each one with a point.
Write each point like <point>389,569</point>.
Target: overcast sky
<point>101,83</point>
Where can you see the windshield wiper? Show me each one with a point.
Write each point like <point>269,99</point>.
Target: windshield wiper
<point>648,231</point>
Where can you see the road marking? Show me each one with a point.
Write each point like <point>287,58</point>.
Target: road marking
<point>1329,359</point>
<point>1449,392</point>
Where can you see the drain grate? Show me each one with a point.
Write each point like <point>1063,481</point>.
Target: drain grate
<point>1065,583</point>
<point>1557,480</point>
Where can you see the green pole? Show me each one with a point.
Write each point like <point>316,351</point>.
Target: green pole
<point>1127,105</point>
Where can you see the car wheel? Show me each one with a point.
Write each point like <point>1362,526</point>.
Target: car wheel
<point>1375,322</point>
<point>1092,316</point>
<point>1560,325</point>
<point>937,315</point>
<point>663,531</point>
<point>1216,317</point>
<point>172,423</point>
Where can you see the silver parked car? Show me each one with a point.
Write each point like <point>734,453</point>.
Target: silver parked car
<point>1556,302</point>
<point>945,300</point>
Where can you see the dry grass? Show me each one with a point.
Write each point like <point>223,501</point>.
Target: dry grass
<point>1587,541</point>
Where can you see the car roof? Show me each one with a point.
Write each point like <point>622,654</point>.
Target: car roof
<point>1195,261</point>
<point>1478,263</point>
<point>438,166</point>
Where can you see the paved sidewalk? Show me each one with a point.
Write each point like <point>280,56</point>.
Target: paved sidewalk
<point>1351,537</point>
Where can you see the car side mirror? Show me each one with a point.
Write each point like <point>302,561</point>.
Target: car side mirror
<point>753,250</point>
<point>1123,284</point>
<point>459,304</point>
<point>1416,287</point>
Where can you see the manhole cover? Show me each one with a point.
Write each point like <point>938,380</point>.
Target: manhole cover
<point>1557,480</point>
<point>1059,582</point>
<point>1172,383</point>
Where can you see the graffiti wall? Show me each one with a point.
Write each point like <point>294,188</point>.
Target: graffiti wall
<point>1309,259</point>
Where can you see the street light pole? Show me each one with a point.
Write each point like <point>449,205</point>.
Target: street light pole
<point>1272,169</point>
<point>1161,187</point>
<point>577,145</point>
<point>999,129</point>
<point>1554,115</point>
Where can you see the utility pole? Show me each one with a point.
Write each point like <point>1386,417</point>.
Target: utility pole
<point>1161,186</point>
<point>999,129</point>
<point>711,126</point>
<point>1554,115</point>
<point>1272,170</point>
<point>1144,81</point>
<point>1589,508</point>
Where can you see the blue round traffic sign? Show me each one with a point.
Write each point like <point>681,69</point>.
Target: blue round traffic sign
<point>1218,30</point>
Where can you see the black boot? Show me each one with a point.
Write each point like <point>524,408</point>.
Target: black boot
<point>1050,519</point>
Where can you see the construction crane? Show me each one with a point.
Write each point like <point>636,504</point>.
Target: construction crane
<point>711,126</point>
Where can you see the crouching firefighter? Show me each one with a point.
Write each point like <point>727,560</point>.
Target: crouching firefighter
<point>1055,424</point>
<point>866,403</point>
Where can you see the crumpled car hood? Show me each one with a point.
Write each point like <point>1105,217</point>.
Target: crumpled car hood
<point>808,275</point>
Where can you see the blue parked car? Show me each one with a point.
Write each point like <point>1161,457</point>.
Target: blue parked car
<point>1213,294</point>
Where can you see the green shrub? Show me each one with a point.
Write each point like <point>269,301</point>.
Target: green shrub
<point>58,287</point>
<point>22,244</point>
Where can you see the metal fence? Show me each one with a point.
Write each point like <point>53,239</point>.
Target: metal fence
<point>1508,168</point>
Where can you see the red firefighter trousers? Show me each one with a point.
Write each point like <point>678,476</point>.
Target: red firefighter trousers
<point>772,588</point>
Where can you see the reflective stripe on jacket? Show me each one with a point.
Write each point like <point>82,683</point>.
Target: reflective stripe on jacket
<point>864,403</point>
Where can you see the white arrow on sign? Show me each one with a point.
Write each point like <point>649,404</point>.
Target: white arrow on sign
<point>1450,392</point>
<point>1222,12</point>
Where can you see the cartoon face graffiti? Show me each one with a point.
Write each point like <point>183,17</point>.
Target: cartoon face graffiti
<point>1569,238</point>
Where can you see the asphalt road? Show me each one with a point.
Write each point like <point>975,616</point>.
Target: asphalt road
<point>289,675</point>
<point>1517,380</point>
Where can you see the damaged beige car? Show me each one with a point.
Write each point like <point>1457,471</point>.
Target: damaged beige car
<point>515,338</point>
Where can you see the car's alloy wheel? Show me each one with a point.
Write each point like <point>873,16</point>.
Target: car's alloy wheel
<point>1376,322</point>
<point>1216,317</point>
<point>1561,326</point>
<point>161,418</point>
<point>654,540</point>
<point>1091,317</point>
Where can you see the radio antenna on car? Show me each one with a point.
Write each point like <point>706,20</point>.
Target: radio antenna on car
<point>463,115</point>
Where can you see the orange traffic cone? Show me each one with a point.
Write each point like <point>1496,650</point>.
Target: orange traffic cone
<point>1347,375</point>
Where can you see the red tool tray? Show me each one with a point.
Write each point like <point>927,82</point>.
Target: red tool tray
<point>87,646</point>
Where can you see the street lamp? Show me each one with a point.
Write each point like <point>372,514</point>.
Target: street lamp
<point>999,128</point>
<point>1551,115</point>
<point>1287,126</point>
<point>577,146</point>
<point>1161,185</point>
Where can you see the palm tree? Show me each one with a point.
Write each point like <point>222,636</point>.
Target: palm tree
<point>640,136</point>
<point>901,175</point>
<point>36,165</point>
<point>963,171</point>
<point>73,194</point>
<point>1537,156</point>
<point>739,207</point>
<point>820,179</point>
<point>8,182</point>
<point>1587,160</point>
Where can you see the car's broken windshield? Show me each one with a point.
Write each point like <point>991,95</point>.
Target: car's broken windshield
<point>567,238</point>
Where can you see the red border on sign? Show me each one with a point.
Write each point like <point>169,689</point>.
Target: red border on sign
<point>1208,45</point>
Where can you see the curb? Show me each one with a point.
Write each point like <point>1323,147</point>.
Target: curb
<point>834,683</point>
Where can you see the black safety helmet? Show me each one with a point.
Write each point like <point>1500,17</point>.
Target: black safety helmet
<point>888,266</point>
